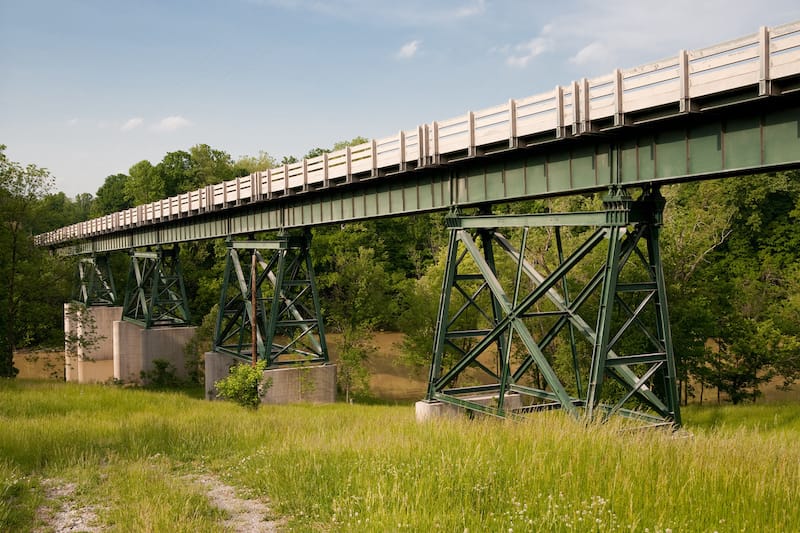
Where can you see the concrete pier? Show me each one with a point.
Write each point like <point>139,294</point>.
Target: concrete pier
<point>308,384</point>
<point>90,359</point>
<point>135,349</point>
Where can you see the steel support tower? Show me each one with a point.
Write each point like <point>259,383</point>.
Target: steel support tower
<point>155,294</point>
<point>269,304</point>
<point>508,324</point>
<point>94,282</point>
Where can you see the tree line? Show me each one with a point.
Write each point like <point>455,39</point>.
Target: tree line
<point>730,250</point>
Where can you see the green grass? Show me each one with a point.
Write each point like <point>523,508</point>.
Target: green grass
<point>374,468</point>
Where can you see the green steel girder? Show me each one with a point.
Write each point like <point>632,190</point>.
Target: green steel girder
<point>155,294</point>
<point>287,313</point>
<point>759,136</point>
<point>646,379</point>
<point>94,283</point>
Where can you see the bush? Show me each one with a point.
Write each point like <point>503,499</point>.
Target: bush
<point>244,385</point>
<point>162,376</point>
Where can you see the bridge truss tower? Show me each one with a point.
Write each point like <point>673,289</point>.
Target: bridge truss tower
<point>513,329</point>
<point>269,305</point>
<point>155,294</point>
<point>94,282</point>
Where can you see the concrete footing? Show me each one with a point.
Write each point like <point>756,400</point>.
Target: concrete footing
<point>135,349</point>
<point>216,367</point>
<point>294,384</point>
<point>312,384</point>
<point>426,410</point>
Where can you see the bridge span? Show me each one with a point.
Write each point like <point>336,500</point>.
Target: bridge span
<point>726,110</point>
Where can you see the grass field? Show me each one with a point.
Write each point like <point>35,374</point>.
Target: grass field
<point>126,454</point>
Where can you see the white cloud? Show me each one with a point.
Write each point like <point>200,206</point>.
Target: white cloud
<point>524,53</point>
<point>408,50</point>
<point>595,52</point>
<point>72,122</point>
<point>626,33</point>
<point>132,124</point>
<point>172,123</point>
<point>471,9</point>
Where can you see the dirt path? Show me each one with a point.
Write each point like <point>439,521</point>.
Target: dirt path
<point>67,517</point>
<point>62,515</point>
<point>246,516</point>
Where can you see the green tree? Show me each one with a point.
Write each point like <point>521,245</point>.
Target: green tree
<point>248,164</point>
<point>357,304</point>
<point>731,257</point>
<point>144,185</point>
<point>176,172</point>
<point>209,166</point>
<point>20,190</point>
<point>111,196</point>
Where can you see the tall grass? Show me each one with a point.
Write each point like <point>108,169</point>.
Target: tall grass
<point>374,468</point>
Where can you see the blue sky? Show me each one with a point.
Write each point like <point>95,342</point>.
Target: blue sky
<point>90,87</point>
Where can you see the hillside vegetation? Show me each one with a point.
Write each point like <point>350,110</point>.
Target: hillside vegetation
<point>730,252</point>
<point>127,454</point>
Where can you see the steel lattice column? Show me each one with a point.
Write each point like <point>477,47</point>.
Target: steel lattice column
<point>155,294</point>
<point>286,315</point>
<point>521,314</point>
<point>94,284</point>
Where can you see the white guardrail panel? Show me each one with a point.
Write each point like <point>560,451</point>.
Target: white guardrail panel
<point>387,151</point>
<point>338,163</point>
<point>493,125</point>
<point>602,93</point>
<point>723,67</point>
<point>651,85</point>
<point>412,141</point>
<point>769,54</point>
<point>295,176</point>
<point>784,50</point>
<point>316,170</point>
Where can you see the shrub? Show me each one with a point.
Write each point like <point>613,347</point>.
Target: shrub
<point>244,385</point>
<point>162,376</point>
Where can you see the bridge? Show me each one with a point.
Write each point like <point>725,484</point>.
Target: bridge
<point>723,111</point>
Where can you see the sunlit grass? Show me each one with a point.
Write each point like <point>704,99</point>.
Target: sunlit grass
<point>374,468</point>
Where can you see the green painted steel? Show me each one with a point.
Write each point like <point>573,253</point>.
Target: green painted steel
<point>735,140</point>
<point>287,313</point>
<point>155,295</point>
<point>484,311</point>
<point>94,283</point>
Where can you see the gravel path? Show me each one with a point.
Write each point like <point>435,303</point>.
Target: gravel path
<point>67,517</point>
<point>245,515</point>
